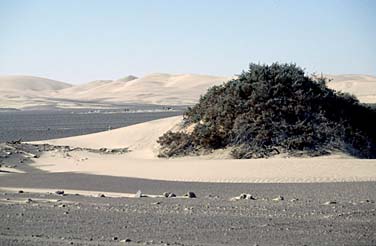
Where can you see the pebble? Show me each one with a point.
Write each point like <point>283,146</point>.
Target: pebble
<point>59,192</point>
<point>138,194</point>
<point>330,202</point>
<point>278,198</point>
<point>127,240</point>
<point>190,194</point>
<point>168,194</point>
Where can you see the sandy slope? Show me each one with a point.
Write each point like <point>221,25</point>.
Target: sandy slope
<point>29,83</point>
<point>142,162</point>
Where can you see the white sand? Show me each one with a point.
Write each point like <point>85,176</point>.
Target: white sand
<point>142,162</point>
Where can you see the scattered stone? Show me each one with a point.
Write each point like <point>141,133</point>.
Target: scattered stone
<point>139,194</point>
<point>59,192</point>
<point>243,196</point>
<point>278,198</point>
<point>190,194</point>
<point>168,194</point>
<point>294,200</point>
<point>127,240</point>
<point>330,203</point>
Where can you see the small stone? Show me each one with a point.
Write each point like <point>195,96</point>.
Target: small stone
<point>115,238</point>
<point>59,192</point>
<point>29,200</point>
<point>101,195</point>
<point>294,200</point>
<point>190,194</point>
<point>330,203</point>
<point>138,194</point>
<point>127,240</point>
<point>62,206</point>
<point>20,191</point>
<point>168,194</point>
<point>278,198</point>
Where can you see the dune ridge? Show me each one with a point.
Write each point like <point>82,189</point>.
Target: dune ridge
<point>22,92</point>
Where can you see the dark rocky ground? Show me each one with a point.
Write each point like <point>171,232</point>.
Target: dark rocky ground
<point>44,124</point>
<point>308,214</point>
<point>303,217</point>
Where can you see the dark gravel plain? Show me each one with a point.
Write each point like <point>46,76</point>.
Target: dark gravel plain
<point>44,124</point>
<point>302,218</point>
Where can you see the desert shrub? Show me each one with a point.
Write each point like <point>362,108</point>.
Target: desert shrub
<point>272,109</point>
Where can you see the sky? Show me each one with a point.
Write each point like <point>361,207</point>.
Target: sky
<point>79,41</point>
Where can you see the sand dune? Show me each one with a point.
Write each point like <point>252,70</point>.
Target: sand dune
<point>362,86</point>
<point>157,88</point>
<point>30,83</point>
<point>142,161</point>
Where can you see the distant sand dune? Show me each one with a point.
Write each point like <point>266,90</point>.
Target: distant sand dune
<point>156,88</point>
<point>30,83</point>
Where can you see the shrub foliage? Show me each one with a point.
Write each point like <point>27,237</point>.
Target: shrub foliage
<point>272,109</point>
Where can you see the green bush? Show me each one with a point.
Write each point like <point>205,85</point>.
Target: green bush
<point>273,109</point>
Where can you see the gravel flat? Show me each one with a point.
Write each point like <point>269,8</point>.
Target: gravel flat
<point>303,217</point>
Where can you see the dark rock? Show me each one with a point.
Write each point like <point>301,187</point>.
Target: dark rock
<point>190,194</point>
<point>168,194</point>
<point>59,192</point>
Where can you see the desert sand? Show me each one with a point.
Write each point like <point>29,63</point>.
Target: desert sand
<point>142,161</point>
<point>25,92</point>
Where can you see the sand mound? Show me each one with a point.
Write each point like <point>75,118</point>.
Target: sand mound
<point>30,83</point>
<point>142,161</point>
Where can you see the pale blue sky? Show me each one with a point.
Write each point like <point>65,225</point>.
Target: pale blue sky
<point>82,40</point>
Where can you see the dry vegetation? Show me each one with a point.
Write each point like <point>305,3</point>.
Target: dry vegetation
<point>273,109</point>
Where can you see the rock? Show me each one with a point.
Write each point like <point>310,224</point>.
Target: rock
<point>278,198</point>
<point>246,197</point>
<point>330,203</point>
<point>115,238</point>
<point>101,195</point>
<point>168,194</point>
<point>59,192</point>
<point>127,240</point>
<point>138,194</point>
<point>190,194</point>
<point>20,191</point>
